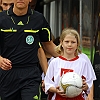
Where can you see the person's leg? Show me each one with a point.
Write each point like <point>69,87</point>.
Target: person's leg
<point>31,91</point>
<point>31,84</point>
<point>15,96</point>
<point>9,85</point>
<point>43,95</point>
<point>23,81</point>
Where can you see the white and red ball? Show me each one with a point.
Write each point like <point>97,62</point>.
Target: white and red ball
<point>71,83</point>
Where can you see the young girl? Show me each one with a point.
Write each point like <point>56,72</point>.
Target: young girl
<point>69,61</point>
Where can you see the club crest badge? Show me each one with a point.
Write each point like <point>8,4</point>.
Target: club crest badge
<point>29,39</point>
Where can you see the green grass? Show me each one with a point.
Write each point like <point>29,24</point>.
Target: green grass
<point>87,51</point>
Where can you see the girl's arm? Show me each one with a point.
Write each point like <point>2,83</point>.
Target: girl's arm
<point>91,94</point>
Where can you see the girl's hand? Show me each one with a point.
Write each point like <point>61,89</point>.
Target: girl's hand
<point>43,85</point>
<point>85,86</point>
<point>60,92</point>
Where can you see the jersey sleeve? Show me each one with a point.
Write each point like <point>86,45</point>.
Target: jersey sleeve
<point>89,64</point>
<point>45,32</point>
<point>49,77</point>
<point>89,73</point>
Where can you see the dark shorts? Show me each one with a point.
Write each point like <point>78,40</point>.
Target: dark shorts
<point>43,95</point>
<point>20,83</point>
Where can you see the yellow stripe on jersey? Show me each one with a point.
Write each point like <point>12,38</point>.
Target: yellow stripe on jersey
<point>8,30</point>
<point>40,44</point>
<point>31,31</point>
<point>48,32</point>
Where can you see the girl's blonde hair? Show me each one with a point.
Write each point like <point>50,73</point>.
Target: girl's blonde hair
<point>66,31</point>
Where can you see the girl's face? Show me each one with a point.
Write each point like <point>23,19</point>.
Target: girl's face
<point>69,44</point>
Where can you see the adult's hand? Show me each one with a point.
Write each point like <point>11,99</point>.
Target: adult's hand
<point>5,64</point>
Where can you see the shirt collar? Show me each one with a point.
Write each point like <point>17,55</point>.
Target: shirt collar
<point>73,59</point>
<point>10,11</point>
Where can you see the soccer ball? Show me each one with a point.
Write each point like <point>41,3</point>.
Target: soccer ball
<point>71,84</point>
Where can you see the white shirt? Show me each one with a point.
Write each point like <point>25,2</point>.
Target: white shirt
<point>80,66</point>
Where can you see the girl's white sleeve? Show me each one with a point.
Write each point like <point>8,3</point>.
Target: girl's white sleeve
<point>49,77</point>
<point>88,72</point>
